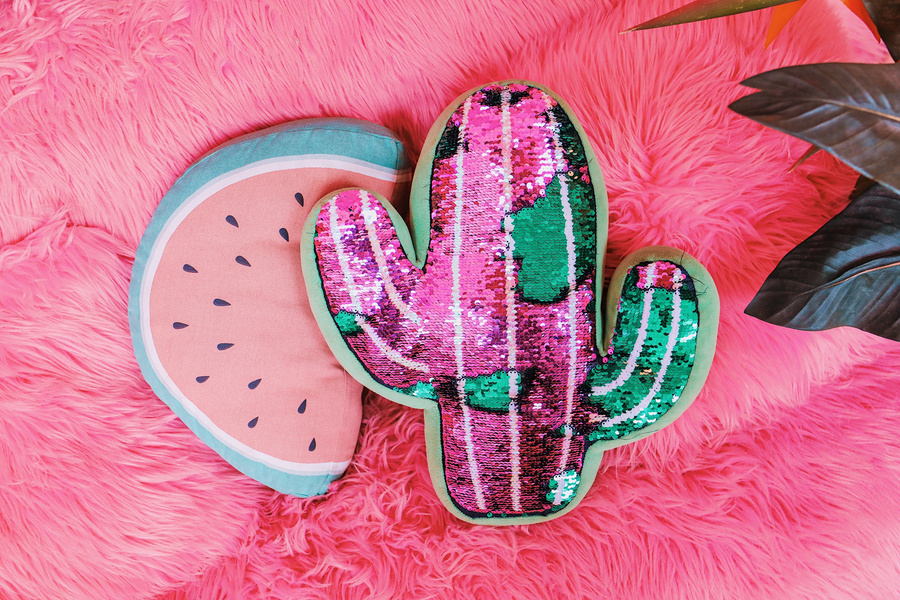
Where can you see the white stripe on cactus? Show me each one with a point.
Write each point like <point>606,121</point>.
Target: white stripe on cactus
<point>511,324</point>
<point>560,167</point>
<point>573,324</point>
<point>510,273</point>
<point>651,274</point>
<point>514,460</point>
<point>457,309</point>
<point>625,374</point>
<point>389,352</point>
<point>347,273</point>
<point>369,217</point>
<point>663,367</point>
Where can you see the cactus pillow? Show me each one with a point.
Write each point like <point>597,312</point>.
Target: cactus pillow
<point>219,317</point>
<point>487,314</point>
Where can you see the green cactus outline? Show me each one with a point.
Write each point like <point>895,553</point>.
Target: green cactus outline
<point>415,241</point>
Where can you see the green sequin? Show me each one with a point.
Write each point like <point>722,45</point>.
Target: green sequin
<point>489,392</point>
<point>346,323</point>
<point>539,235</point>
<point>420,390</point>
<point>562,488</point>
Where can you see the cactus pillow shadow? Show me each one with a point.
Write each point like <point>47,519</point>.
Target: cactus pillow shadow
<point>219,317</point>
<point>488,315</point>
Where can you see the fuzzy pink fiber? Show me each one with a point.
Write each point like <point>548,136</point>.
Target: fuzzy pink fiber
<point>782,481</point>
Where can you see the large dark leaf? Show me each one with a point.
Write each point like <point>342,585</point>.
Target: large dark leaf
<point>700,10</point>
<point>846,273</point>
<point>886,16</point>
<point>850,110</point>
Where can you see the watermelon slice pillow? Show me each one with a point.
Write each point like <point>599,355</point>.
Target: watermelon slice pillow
<point>218,310</point>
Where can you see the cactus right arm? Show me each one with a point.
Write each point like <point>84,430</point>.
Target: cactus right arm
<point>651,353</point>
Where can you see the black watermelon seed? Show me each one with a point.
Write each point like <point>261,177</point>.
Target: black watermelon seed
<point>232,221</point>
<point>224,346</point>
<point>189,269</point>
<point>220,302</point>
<point>253,422</point>
<point>253,384</point>
<point>179,325</point>
<point>312,445</point>
<point>302,408</point>
<point>202,378</point>
<point>241,261</point>
<point>299,198</point>
<point>284,234</point>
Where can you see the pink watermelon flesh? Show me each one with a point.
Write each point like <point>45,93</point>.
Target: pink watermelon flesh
<point>232,327</point>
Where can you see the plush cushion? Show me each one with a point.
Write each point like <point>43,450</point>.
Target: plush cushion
<point>219,317</point>
<point>489,318</point>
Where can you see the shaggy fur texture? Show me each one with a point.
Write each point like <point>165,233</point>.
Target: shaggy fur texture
<point>781,481</point>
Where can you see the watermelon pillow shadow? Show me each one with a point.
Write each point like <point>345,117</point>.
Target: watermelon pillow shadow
<point>218,310</point>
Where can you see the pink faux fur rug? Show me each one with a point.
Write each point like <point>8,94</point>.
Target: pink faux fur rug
<point>782,480</point>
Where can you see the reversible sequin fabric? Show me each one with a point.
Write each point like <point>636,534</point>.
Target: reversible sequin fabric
<point>498,325</point>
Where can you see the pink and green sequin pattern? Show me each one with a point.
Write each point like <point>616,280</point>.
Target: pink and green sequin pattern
<point>497,325</point>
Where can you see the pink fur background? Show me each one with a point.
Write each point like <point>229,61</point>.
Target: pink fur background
<point>782,481</point>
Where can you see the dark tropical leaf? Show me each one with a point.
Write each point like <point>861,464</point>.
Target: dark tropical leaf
<point>700,10</point>
<point>849,110</point>
<point>862,184</point>
<point>806,156</point>
<point>886,16</point>
<point>846,273</point>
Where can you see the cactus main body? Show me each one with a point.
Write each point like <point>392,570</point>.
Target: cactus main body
<point>494,320</point>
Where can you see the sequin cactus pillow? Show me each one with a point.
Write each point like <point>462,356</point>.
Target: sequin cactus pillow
<point>489,318</point>
<point>219,317</point>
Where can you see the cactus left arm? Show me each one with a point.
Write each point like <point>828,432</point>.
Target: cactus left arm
<point>367,281</point>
